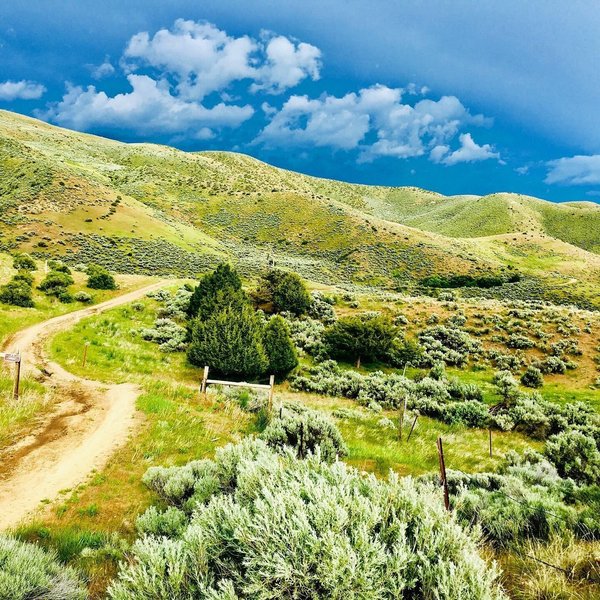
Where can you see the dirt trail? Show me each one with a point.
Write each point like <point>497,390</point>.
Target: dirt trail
<point>89,422</point>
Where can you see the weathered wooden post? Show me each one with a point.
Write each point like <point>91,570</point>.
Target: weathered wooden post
<point>85,350</point>
<point>443,473</point>
<point>490,436</point>
<point>271,392</point>
<point>17,377</point>
<point>402,413</point>
<point>412,428</point>
<point>301,450</point>
<point>204,378</point>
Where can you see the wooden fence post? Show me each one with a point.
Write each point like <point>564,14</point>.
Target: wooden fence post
<point>85,350</point>
<point>204,378</point>
<point>443,473</point>
<point>412,428</point>
<point>17,378</point>
<point>271,391</point>
<point>402,413</point>
<point>490,436</point>
<point>301,450</point>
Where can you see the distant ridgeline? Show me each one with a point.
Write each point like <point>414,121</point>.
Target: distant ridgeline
<point>460,281</point>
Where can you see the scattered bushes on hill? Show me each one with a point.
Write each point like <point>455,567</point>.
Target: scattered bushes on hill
<point>18,291</point>
<point>306,432</point>
<point>271,526</point>
<point>321,308</point>
<point>99,278</point>
<point>27,572</point>
<point>458,281</point>
<point>520,342</point>
<point>307,335</point>
<point>24,262</point>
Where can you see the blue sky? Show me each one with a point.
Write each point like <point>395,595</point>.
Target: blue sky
<point>458,97</point>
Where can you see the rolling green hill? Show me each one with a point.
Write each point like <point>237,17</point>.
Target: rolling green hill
<point>154,209</point>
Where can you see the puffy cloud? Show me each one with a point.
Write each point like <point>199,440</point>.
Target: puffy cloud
<point>469,151</point>
<point>148,108</point>
<point>204,59</point>
<point>378,123</point>
<point>574,170</point>
<point>21,90</point>
<point>104,70</point>
<point>287,65</point>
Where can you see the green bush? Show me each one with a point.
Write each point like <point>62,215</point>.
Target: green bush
<point>27,572</point>
<point>24,262</point>
<point>17,292</point>
<point>55,283</point>
<point>366,337</point>
<point>213,292</point>
<point>532,377</point>
<point>230,342</point>
<point>286,292</point>
<point>99,278</point>
<point>279,347</point>
<point>575,455</point>
<point>265,526</point>
<point>306,432</point>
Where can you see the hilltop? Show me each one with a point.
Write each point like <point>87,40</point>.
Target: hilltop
<point>151,209</point>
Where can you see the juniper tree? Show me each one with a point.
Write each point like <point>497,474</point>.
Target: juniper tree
<point>212,290</point>
<point>279,347</point>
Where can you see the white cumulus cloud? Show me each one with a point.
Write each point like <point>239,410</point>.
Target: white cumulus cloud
<point>203,59</point>
<point>21,90</point>
<point>378,123</point>
<point>148,108</point>
<point>574,170</point>
<point>469,151</point>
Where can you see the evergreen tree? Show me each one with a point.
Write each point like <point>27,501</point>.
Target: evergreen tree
<point>229,341</point>
<point>286,292</point>
<point>358,337</point>
<point>206,298</point>
<point>279,347</point>
<point>16,292</point>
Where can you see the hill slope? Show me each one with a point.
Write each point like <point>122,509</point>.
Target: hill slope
<point>155,209</point>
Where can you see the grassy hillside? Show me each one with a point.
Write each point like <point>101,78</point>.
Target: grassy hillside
<point>149,209</point>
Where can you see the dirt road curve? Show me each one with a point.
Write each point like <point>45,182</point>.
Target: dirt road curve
<point>84,428</point>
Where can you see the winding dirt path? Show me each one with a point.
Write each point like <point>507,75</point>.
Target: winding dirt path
<point>88,423</point>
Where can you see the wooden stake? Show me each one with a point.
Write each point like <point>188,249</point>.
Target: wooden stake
<point>490,436</point>
<point>85,349</point>
<point>271,390</point>
<point>443,473</point>
<point>358,363</point>
<point>402,413</point>
<point>203,386</point>
<point>412,428</point>
<point>17,378</point>
<point>301,449</point>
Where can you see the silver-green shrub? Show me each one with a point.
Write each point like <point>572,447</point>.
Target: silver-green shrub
<point>27,572</point>
<point>277,527</point>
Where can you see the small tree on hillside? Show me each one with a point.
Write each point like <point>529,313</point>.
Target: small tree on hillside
<point>204,301</point>
<point>24,262</point>
<point>286,292</point>
<point>230,342</point>
<point>99,278</point>
<point>279,347</point>
<point>358,337</point>
<point>55,283</point>
<point>16,292</point>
